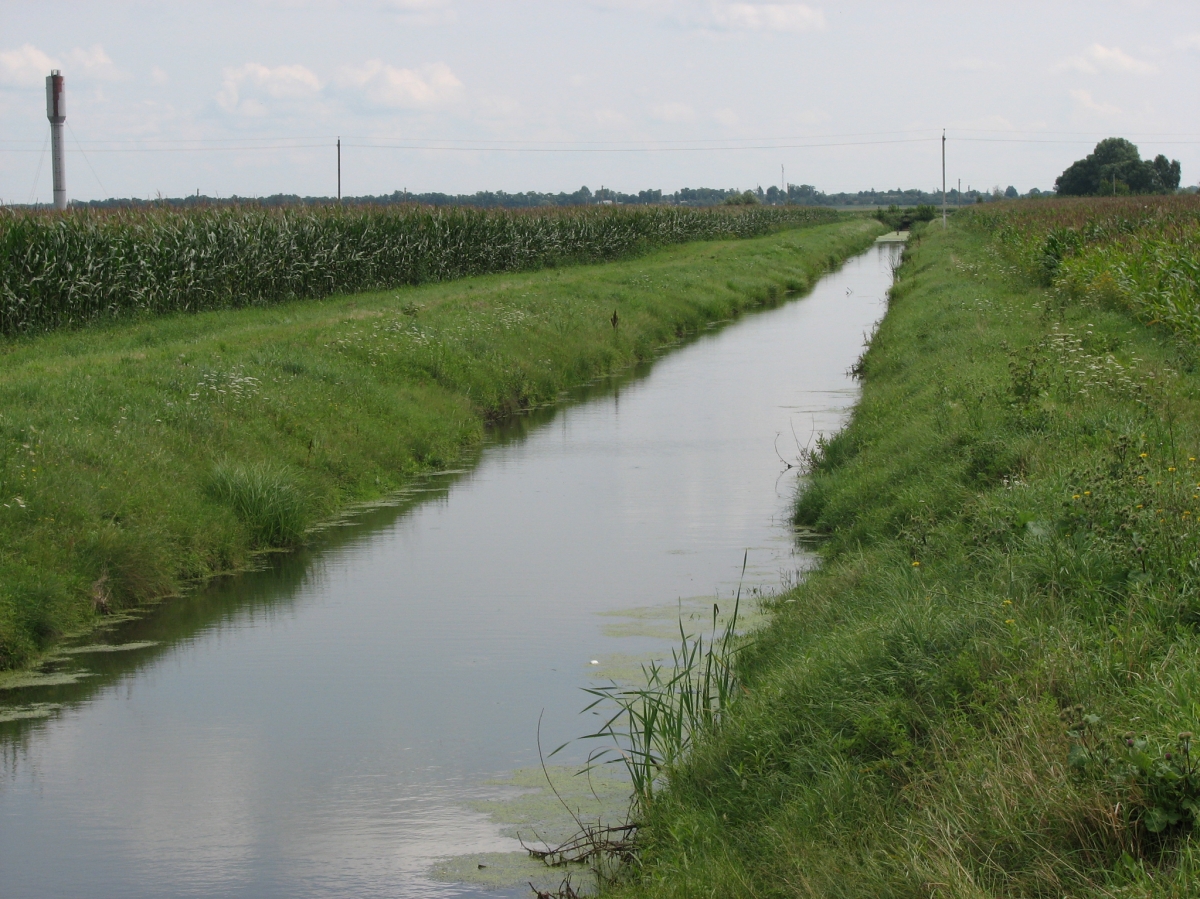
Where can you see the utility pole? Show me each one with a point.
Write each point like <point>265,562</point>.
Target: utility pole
<point>959,203</point>
<point>56,112</point>
<point>339,170</point>
<point>783,183</point>
<point>943,179</point>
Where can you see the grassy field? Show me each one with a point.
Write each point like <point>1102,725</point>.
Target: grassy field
<point>990,687</point>
<point>138,457</point>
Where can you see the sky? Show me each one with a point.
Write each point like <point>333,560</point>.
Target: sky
<point>250,97</point>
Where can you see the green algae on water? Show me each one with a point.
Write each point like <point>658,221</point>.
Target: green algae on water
<point>26,712</point>
<point>526,808</point>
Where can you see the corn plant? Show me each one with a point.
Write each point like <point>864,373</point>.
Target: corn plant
<point>68,270</point>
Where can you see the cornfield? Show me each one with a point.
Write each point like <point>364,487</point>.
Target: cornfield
<point>1141,252</point>
<point>70,270</point>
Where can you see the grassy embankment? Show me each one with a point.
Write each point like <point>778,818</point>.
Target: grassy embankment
<point>990,686</point>
<point>138,457</point>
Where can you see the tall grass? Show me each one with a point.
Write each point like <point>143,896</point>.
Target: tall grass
<point>1141,253</point>
<point>655,723</point>
<point>265,499</point>
<point>70,270</point>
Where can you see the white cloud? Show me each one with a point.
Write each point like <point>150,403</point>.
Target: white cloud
<point>279,83</point>
<point>159,76</point>
<point>27,66</point>
<point>1099,58</point>
<point>386,85</point>
<point>1188,42</point>
<point>674,113</point>
<point>727,117</point>
<point>610,118</point>
<point>94,63</point>
<point>1085,100</point>
<point>767,17</point>
<point>972,64</point>
<point>423,12</point>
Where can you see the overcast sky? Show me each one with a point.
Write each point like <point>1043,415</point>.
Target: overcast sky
<point>248,97</point>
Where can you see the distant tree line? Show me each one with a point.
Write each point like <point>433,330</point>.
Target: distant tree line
<point>796,195</point>
<point>1130,178</point>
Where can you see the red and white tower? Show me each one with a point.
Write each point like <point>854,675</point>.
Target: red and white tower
<point>56,112</point>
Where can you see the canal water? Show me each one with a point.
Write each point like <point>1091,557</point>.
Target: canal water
<point>326,727</point>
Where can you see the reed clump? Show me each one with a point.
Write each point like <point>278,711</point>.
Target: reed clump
<point>653,724</point>
<point>265,499</point>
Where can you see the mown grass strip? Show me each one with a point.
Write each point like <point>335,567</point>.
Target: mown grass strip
<point>990,687</point>
<point>138,457</point>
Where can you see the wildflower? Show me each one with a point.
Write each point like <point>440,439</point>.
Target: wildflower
<point>1010,621</point>
<point>1007,602</point>
<point>1139,505</point>
<point>916,564</point>
<point>1143,455</point>
<point>1168,756</point>
<point>1076,496</point>
<point>1172,468</point>
<point>1087,493</point>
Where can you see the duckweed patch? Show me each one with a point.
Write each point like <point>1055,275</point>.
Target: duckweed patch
<point>28,712</point>
<point>525,808</point>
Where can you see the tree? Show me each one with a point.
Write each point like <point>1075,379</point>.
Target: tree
<point>1116,166</point>
<point>1011,192</point>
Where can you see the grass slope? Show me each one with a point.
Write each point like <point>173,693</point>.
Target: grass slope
<point>989,687</point>
<point>139,457</point>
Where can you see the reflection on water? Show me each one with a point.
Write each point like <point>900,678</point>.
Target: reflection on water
<point>322,728</point>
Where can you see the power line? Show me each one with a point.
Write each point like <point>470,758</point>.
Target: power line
<point>103,189</point>
<point>38,173</point>
<point>644,149</point>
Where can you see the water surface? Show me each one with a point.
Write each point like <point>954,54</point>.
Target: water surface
<point>318,729</point>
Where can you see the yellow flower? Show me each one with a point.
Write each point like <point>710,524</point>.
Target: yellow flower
<point>1143,455</point>
<point>1076,496</point>
<point>1010,621</point>
<point>1087,493</point>
<point>916,564</point>
<point>1172,468</point>
<point>1007,602</point>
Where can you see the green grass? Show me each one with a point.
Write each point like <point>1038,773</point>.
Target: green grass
<point>136,458</point>
<point>987,689</point>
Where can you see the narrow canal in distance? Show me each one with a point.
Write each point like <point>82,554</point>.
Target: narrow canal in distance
<point>318,729</point>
